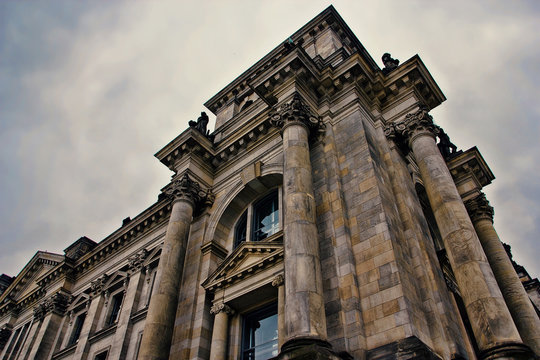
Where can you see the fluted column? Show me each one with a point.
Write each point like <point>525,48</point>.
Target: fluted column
<point>158,330</point>
<point>304,305</point>
<point>279,283</point>
<point>492,324</point>
<point>519,304</point>
<point>218,349</point>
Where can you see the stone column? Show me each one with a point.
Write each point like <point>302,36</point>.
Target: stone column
<point>519,304</point>
<point>50,313</point>
<point>158,330</point>
<point>95,306</point>
<point>492,324</point>
<point>218,349</point>
<point>305,319</point>
<point>279,283</point>
<point>129,307</point>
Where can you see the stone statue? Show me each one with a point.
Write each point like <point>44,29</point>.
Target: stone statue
<point>200,124</point>
<point>446,147</point>
<point>389,63</point>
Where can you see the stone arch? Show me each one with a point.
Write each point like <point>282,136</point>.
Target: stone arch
<point>234,204</point>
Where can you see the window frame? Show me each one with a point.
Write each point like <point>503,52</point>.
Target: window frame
<point>258,314</point>
<point>72,340</point>
<point>247,219</point>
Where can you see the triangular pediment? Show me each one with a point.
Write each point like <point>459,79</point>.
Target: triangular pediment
<point>26,281</point>
<point>246,260</point>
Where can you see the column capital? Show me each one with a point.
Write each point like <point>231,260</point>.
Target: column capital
<point>415,124</point>
<point>297,112</point>
<point>479,208</point>
<point>278,280</point>
<point>189,190</point>
<point>221,307</point>
<point>135,262</point>
<point>97,286</point>
<point>56,304</point>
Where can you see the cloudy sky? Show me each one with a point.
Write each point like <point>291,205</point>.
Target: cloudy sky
<point>89,91</point>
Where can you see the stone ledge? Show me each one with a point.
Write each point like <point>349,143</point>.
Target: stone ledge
<point>309,349</point>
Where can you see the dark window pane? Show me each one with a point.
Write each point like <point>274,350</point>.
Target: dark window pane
<point>265,217</point>
<point>240,230</point>
<point>116,304</point>
<point>101,356</point>
<point>77,327</point>
<point>260,334</point>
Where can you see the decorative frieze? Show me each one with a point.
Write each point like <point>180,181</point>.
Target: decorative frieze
<point>221,307</point>
<point>189,190</point>
<point>479,208</point>
<point>297,112</point>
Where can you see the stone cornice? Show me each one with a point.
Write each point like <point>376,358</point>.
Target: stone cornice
<point>412,74</point>
<point>192,143</point>
<point>479,208</point>
<point>470,163</point>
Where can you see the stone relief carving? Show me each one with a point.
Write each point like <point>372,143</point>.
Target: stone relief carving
<point>135,262</point>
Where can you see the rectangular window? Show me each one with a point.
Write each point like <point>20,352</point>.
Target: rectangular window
<point>260,334</point>
<point>116,304</point>
<point>77,328</point>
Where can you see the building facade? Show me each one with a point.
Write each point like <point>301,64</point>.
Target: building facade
<point>326,217</point>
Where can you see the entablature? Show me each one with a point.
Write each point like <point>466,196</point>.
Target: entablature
<point>470,172</point>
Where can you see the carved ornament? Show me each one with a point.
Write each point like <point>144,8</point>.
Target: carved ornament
<point>56,304</point>
<point>404,132</point>
<point>97,286</point>
<point>189,190</point>
<point>297,112</point>
<point>278,280</point>
<point>136,261</point>
<point>479,208</point>
<point>221,307</point>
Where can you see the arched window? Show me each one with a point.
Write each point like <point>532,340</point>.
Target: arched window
<point>262,217</point>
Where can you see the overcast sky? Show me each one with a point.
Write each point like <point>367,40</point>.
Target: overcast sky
<point>89,91</point>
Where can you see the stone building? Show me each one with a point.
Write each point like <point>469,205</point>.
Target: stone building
<point>326,217</point>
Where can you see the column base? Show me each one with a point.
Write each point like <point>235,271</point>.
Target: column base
<point>408,348</point>
<point>310,349</point>
<point>508,351</point>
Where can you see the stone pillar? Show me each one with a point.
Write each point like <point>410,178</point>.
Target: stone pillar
<point>305,319</point>
<point>218,349</point>
<point>50,313</point>
<point>519,304</point>
<point>279,283</point>
<point>492,324</point>
<point>158,330</point>
<point>95,307</point>
<point>129,306</point>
